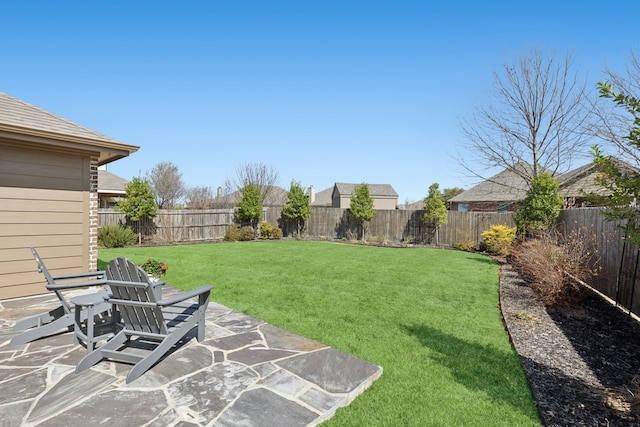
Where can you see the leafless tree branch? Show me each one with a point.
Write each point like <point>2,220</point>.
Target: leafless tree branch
<point>538,115</point>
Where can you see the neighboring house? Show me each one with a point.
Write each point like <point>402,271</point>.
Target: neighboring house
<point>48,194</point>
<point>383,195</point>
<point>505,190</point>
<point>576,184</point>
<point>500,193</point>
<point>111,188</point>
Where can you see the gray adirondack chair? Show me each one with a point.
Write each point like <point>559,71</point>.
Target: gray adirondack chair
<point>61,317</point>
<point>156,323</point>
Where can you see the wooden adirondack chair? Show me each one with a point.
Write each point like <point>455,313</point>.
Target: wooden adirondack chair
<point>159,323</point>
<point>61,317</point>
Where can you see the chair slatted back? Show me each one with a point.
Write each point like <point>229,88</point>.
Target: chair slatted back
<point>134,297</point>
<point>50,280</point>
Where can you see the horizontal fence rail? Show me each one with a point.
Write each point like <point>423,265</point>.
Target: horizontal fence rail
<point>619,260</point>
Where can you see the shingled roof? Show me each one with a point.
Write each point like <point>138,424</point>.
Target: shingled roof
<point>110,183</point>
<point>380,190</point>
<point>507,186</point>
<point>581,181</point>
<point>21,121</point>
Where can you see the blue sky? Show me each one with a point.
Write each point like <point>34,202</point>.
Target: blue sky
<point>323,92</point>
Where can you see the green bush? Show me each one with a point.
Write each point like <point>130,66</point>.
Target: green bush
<point>266,230</point>
<point>233,233</point>
<point>498,239</point>
<point>247,233</point>
<point>541,206</point>
<point>116,236</point>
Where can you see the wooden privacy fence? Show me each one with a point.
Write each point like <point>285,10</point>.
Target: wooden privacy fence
<point>178,226</point>
<point>173,226</point>
<point>619,261</point>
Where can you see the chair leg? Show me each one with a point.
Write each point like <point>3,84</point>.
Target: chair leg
<point>152,358</point>
<point>96,355</point>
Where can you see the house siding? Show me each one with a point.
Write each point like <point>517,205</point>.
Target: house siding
<point>44,202</point>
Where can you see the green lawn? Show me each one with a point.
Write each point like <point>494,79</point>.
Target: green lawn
<point>429,317</point>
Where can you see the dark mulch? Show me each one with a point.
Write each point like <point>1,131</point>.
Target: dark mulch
<point>582,363</point>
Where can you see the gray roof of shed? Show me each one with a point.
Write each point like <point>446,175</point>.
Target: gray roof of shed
<point>323,198</point>
<point>375,190</point>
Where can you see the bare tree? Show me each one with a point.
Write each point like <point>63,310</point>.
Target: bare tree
<point>258,174</point>
<point>614,124</point>
<point>539,116</point>
<point>198,197</point>
<point>167,185</point>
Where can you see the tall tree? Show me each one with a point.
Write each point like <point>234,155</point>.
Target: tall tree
<point>167,184</point>
<point>435,209</point>
<point>258,174</point>
<point>298,207</point>
<point>622,183</point>
<point>539,115</point>
<point>138,204</point>
<point>250,205</point>
<point>361,207</point>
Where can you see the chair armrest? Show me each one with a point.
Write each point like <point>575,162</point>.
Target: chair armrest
<point>78,275</point>
<point>82,284</point>
<point>186,295</point>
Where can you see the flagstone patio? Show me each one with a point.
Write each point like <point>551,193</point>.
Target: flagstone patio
<point>245,373</point>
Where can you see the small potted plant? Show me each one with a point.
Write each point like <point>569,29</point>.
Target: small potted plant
<point>154,268</point>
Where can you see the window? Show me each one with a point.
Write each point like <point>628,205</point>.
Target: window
<point>463,207</point>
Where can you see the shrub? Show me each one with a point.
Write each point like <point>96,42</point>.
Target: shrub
<point>233,233</point>
<point>116,236</point>
<point>465,245</point>
<point>247,233</point>
<point>379,239</point>
<point>541,206</point>
<point>407,240</point>
<point>266,230</point>
<point>498,239</point>
<point>277,233</point>
<point>554,265</point>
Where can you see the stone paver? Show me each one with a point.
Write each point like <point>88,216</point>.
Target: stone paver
<point>245,373</point>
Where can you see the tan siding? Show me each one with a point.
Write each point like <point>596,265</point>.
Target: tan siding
<point>44,202</point>
<point>41,169</point>
<point>29,230</point>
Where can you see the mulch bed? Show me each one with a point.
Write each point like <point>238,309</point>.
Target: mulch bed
<point>582,363</point>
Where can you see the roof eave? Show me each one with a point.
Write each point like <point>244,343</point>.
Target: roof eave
<point>108,150</point>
